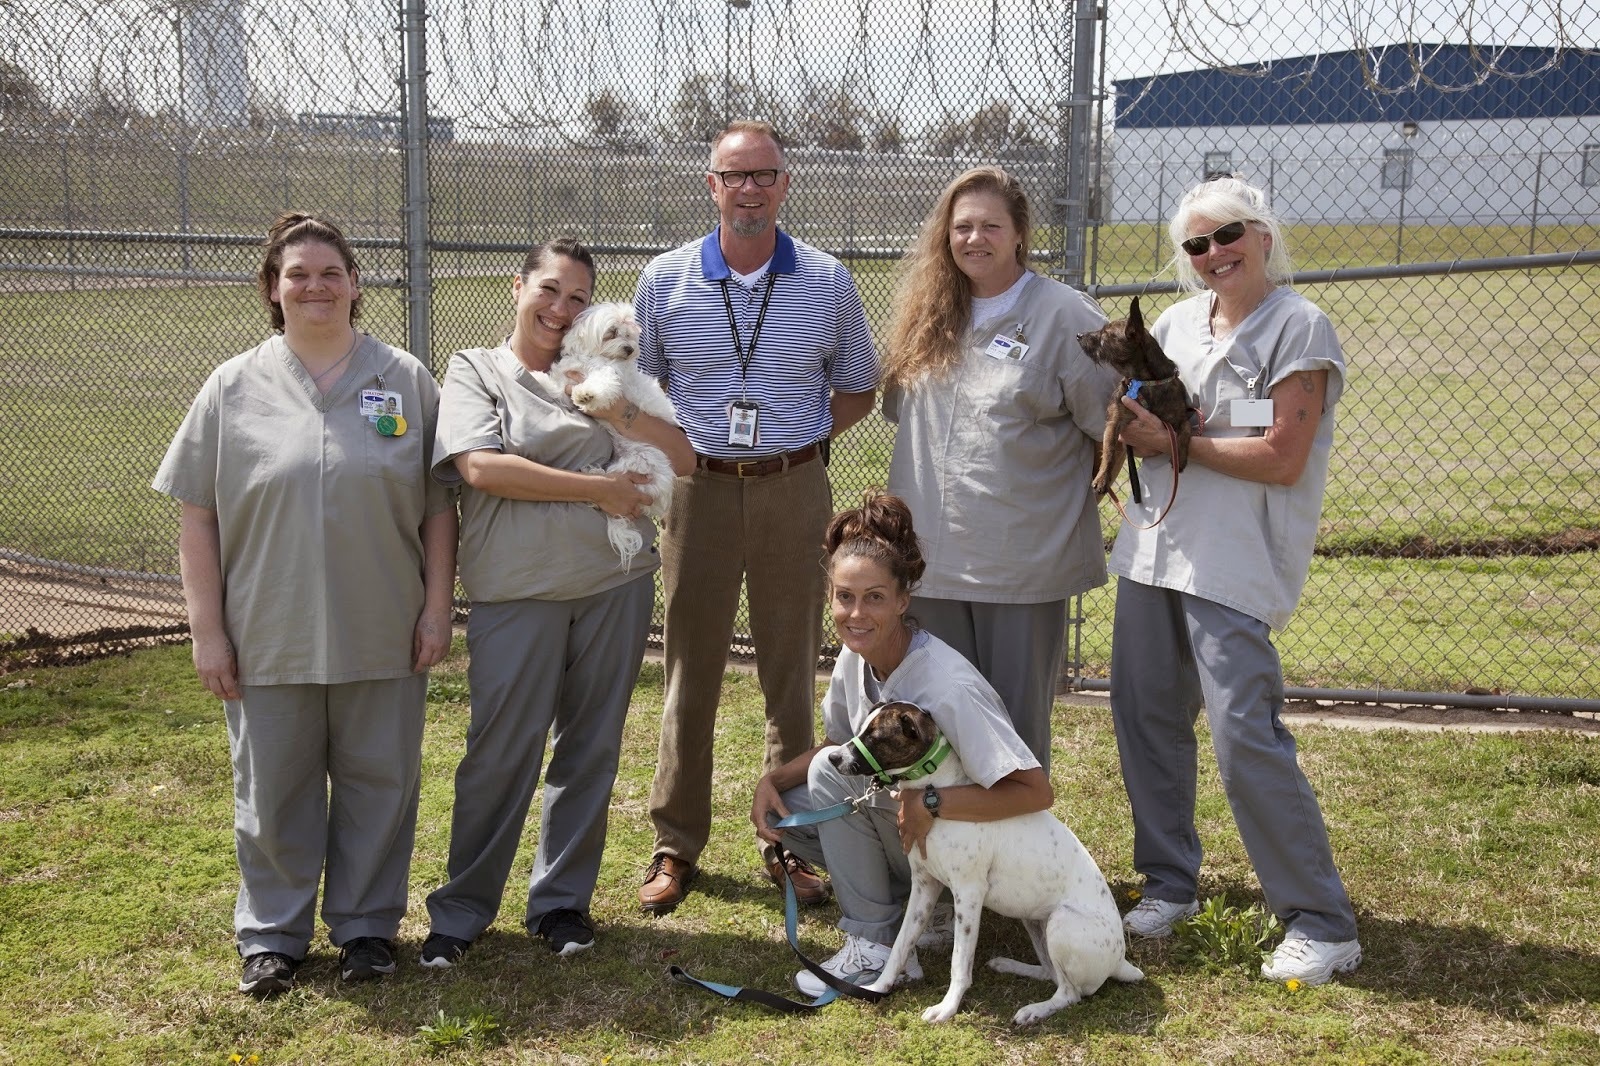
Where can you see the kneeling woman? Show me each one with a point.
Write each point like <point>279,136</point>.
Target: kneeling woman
<point>874,564</point>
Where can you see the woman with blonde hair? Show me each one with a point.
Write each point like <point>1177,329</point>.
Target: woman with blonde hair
<point>999,414</point>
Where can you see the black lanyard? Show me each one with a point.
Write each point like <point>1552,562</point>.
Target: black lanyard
<point>745,358</point>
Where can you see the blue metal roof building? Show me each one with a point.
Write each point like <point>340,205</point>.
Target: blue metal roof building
<point>1431,133</point>
<point>1397,83</point>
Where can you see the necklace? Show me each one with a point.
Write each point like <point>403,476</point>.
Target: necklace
<point>316,379</point>
<point>1229,325</point>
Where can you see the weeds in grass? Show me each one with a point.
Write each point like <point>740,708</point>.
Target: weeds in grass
<point>450,1032</point>
<point>1222,936</point>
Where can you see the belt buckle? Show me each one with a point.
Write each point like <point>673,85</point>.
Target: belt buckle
<point>751,463</point>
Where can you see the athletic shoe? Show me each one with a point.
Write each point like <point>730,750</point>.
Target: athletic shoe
<point>1312,962</point>
<point>940,932</point>
<point>366,958</point>
<point>566,931</point>
<point>1153,918</point>
<point>860,962</point>
<point>440,952</point>
<point>267,974</point>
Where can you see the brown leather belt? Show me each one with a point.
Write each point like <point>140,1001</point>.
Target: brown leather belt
<point>770,464</point>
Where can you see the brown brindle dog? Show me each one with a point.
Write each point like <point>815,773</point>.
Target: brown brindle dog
<point>1149,377</point>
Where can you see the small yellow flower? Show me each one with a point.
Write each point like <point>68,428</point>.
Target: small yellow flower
<point>1134,893</point>
<point>236,1057</point>
<point>1292,984</point>
<point>253,1059</point>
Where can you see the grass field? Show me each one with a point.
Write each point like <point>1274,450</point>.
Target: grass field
<point>1470,859</point>
<point>1471,417</point>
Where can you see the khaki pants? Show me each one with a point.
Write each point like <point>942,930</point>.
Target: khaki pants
<point>767,530</point>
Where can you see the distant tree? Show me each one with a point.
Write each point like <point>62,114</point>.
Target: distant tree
<point>697,110</point>
<point>828,117</point>
<point>989,131</point>
<point>613,121</point>
<point>887,136</point>
<point>19,93</point>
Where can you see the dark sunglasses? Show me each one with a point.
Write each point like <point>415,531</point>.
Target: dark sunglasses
<point>1223,235</point>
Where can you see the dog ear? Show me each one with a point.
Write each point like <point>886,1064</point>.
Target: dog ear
<point>1135,319</point>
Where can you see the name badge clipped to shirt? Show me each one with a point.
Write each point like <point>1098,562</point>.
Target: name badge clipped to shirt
<point>1251,412</point>
<point>385,411</point>
<point>742,416</point>
<point>1008,349</point>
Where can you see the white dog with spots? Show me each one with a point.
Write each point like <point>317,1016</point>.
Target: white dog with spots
<point>597,368</point>
<point>1029,867</point>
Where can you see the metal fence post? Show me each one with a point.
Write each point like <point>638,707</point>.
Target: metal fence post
<point>414,124</point>
<point>1074,201</point>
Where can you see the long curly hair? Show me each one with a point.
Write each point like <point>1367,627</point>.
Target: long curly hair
<point>933,298</point>
<point>880,530</point>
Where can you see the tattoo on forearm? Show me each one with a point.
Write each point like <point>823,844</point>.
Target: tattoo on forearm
<point>629,413</point>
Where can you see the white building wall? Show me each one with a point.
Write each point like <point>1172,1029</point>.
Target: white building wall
<point>216,84</point>
<point>1465,172</point>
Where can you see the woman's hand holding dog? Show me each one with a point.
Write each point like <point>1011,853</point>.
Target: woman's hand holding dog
<point>1146,434</point>
<point>618,494</point>
<point>914,821</point>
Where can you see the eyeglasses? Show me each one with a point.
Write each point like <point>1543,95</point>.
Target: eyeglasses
<point>734,179</point>
<point>1223,235</point>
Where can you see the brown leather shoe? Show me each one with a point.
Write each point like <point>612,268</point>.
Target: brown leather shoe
<point>666,882</point>
<point>810,887</point>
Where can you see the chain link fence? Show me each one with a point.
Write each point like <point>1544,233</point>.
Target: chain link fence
<point>1442,199</point>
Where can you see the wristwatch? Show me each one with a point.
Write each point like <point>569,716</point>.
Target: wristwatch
<point>930,800</point>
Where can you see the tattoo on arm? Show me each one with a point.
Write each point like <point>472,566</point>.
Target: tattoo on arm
<point>1306,382</point>
<point>1301,415</point>
<point>629,413</point>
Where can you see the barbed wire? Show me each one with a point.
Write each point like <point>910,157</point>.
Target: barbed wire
<point>884,72</point>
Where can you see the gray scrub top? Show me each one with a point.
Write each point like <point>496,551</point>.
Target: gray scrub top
<point>319,515</point>
<point>940,680</point>
<point>995,459</point>
<point>1243,544</point>
<point>527,549</point>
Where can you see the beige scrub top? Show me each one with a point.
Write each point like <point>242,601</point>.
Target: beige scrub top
<point>527,549</point>
<point>995,459</point>
<point>320,517</point>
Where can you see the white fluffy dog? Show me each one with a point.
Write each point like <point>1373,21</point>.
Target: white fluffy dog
<point>1029,867</point>
<point>597,367</point>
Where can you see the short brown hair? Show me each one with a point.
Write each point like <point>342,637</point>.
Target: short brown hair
<point>753,127</point>
<point>300,227</point>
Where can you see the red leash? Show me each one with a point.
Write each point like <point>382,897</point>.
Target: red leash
<point>1172,438</point>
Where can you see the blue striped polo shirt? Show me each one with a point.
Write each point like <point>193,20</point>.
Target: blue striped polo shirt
<point>814,341</point>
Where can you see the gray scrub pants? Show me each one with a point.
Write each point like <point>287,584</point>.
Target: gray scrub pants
<point>861,851</point>
<point>1171,652</point>
<point>1016,647</point>
<point>325,786</point>
<point>558,668</point>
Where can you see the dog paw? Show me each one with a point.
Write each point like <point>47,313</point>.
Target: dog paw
<point>940,1012</point>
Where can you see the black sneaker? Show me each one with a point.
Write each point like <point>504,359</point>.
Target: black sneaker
<point>567,931</point>
<point>267,974</point>
<point>366,958</point>
<point>441,952</point>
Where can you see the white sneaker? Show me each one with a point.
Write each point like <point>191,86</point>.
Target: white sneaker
<point>940,932</point>
<point>1154,917</point>
<point>859,962</point>
<point>1312,962</point>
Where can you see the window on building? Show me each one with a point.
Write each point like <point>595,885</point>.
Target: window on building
<point>1219,165</point>
<point>1397,167</point>
<point>1591,165</point>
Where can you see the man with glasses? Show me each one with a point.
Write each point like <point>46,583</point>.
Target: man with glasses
<point>763,344</point>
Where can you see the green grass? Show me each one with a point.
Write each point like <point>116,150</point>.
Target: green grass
<point>1470,859</point>
<point>1470,417</point>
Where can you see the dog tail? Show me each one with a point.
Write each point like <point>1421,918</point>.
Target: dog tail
<point>1127,972</point>
<point>625,540</point>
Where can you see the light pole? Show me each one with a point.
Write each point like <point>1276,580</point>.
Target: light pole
<point>727,54</point>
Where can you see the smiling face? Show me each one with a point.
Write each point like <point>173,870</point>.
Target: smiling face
<point>314,288</point>
<point>869,608</point>
<point>750,210</point>
<point>983,242</point>
<point>548,299</point>
<point>1236,271</point>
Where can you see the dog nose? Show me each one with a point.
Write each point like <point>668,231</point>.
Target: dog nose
<point>836,756</point>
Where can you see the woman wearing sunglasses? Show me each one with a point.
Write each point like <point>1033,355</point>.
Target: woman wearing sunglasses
<point>1199,594</point>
